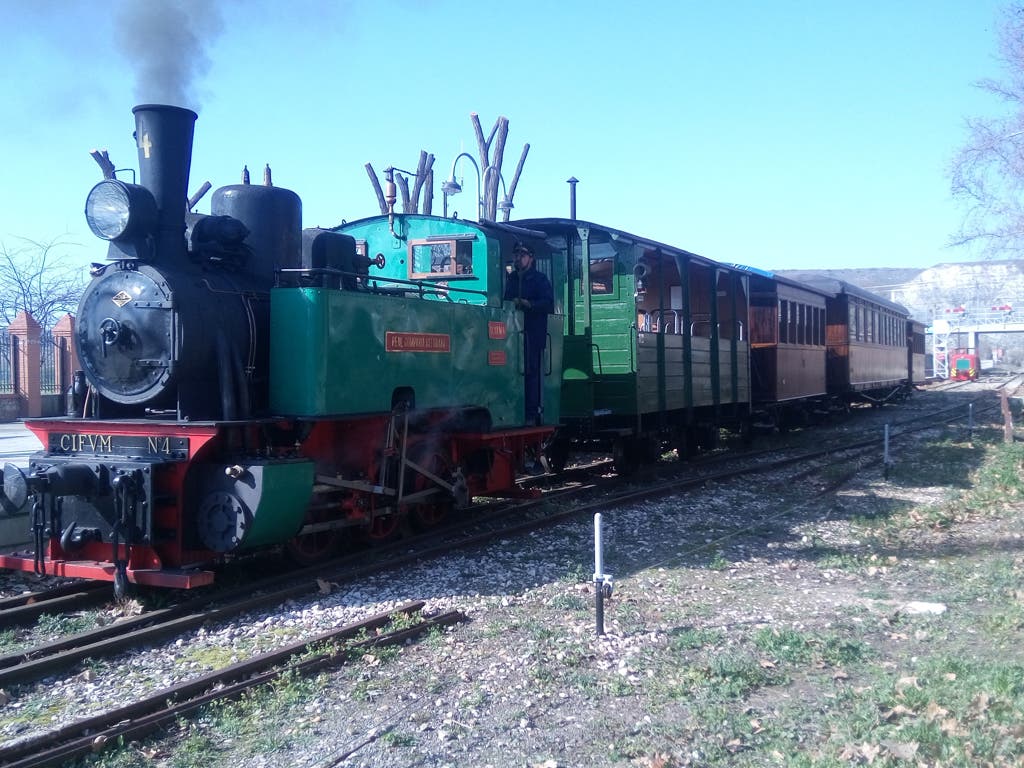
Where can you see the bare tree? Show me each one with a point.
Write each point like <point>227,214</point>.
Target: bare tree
<point>39,278</point>
<point>988,172</point>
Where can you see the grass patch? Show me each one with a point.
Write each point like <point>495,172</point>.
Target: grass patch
<point>49,626</point>
<point>689,639</point>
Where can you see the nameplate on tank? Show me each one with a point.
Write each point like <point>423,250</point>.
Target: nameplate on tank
<point>140,446</point>
<point>395,341</point>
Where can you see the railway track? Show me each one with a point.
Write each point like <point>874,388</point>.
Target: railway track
<point>164,707</point>
<point>31,664</point>
<point>18,610</point>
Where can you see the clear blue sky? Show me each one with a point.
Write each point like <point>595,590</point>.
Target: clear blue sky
<point>783,134</point>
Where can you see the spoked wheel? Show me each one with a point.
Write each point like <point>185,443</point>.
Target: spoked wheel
<point>384,524</point>
<point>383,529</point>
<point>314,547</point>
<point>432,511</point>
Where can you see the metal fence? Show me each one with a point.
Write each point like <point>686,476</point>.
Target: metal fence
<point>7,358</point>
<point>54,355</point>
<point>51,352</point>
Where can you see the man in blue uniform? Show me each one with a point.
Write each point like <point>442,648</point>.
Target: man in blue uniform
<point>530,290</point>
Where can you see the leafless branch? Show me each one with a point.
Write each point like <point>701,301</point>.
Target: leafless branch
<point>987,174</point>
<point>38,278</point>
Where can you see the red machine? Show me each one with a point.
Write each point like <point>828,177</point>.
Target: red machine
<point>964,366</point>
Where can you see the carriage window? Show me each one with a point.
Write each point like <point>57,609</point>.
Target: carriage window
<point>783,315</point>
<point>601,272</point>
<point>604,256</point>
<point>440,258</point>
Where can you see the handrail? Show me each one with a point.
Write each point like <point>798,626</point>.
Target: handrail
<point>662,313</point>
<point>419,285</point>
<point>644,323</point>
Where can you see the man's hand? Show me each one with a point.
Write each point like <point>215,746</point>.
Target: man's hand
<point>523,304</point>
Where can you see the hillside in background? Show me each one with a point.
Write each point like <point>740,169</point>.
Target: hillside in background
<point>978,287</point>
<point>928,293</point>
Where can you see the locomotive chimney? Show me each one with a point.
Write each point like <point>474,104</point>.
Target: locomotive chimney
<point>164,134</point>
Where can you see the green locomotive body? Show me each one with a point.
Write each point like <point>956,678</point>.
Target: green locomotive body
<point>429,328</point>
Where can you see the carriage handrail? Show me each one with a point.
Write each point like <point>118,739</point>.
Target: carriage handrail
<point>718,327</point>
<point>661,314</point>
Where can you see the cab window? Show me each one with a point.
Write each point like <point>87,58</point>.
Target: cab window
<point>445,258</point>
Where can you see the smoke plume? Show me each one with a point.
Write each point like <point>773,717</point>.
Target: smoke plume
<point>165,43</point>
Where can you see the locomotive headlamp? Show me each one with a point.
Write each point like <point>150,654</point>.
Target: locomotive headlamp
<point>117,211</point>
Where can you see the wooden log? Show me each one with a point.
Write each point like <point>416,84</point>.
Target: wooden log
<point>103,161</point>
<point>194,200</point>
<point>428,195</point>
<point>493,179</point>
<point>376,188</point>
<point>403,189</point>
<point>423,169</point>
<point>515,178</point>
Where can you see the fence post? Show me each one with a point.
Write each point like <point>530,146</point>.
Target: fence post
<point>27,331</point>
<point>66,359</point>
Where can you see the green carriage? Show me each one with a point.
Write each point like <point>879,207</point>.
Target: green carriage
<point>656,349</point>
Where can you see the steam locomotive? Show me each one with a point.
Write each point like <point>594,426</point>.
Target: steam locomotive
<point>247,383</point>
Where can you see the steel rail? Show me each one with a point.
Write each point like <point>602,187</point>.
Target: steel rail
<point>24,609</point>
<point>140,718</point>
